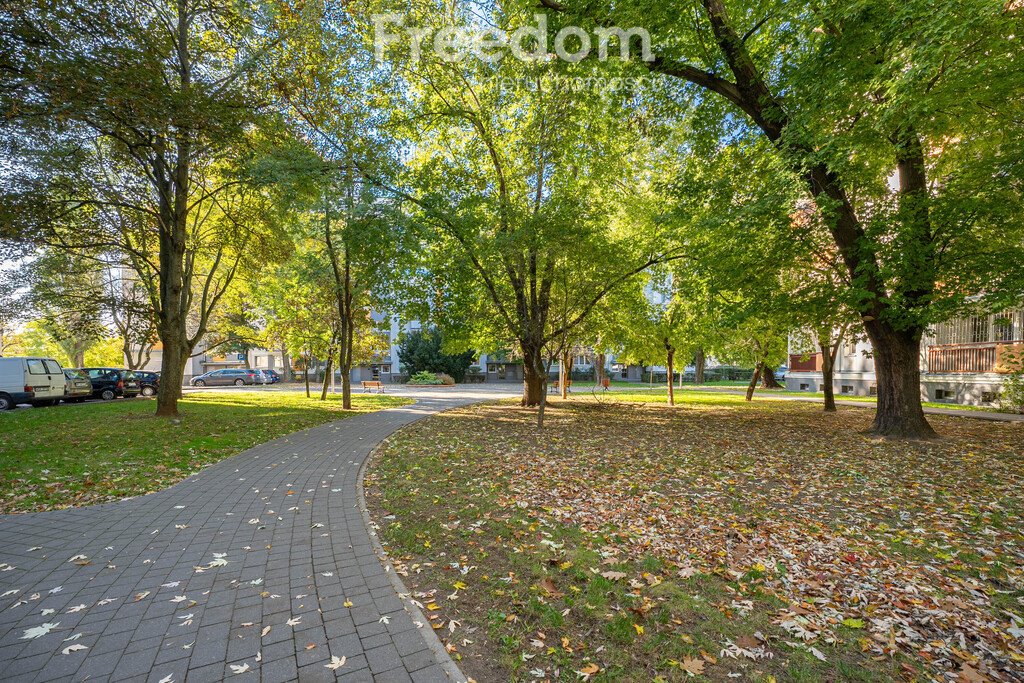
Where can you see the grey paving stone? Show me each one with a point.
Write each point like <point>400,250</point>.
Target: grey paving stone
<point>145,633</point>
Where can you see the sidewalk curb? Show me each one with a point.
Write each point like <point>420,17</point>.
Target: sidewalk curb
<point>441,655</point>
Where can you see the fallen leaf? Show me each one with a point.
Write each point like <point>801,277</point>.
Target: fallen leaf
<point>692,666</point>
<point>39,631</point>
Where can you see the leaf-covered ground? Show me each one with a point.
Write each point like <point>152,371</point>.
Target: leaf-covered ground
<point>716,539</point>
<point>96,452</point>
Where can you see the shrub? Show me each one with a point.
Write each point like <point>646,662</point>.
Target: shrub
<point>445,379</point>
<point>1011,398</point>
<point>425,377</point>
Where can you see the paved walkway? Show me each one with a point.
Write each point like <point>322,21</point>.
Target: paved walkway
<point>258,568</point>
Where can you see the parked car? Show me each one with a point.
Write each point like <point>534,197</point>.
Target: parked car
<point>274,376</point>
<point>223,378</point>
<point>149,382</point>
<point>39,381</point>
<point>261,376</point>
<point>109,383</point>
<point>77,386</point>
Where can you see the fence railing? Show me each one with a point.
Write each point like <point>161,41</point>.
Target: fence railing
<point>971,358</point>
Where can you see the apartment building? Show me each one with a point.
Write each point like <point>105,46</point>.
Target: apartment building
<point>964,360</point>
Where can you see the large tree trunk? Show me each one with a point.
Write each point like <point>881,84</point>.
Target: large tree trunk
<point>172,370</point>
<point>599,369</point>
<point>699,361</point>
<point>768,380</point>
<point>533,375</point>
<point>172,331</point>
<point>828,365</point>
<point>827,374</point>
<point>670,354</point>
<point>286,363</point>
<point>753,383</point>
<point>898,372</point>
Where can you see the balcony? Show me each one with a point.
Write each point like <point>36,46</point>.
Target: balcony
<point>805,363</point>
<point>972,358</point>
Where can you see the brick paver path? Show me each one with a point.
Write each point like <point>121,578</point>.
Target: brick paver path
<point>257,568</point>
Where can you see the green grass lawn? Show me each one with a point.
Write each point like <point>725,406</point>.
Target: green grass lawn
<point>718,539</point>
<point>633,391</point>
<point>96,452</point>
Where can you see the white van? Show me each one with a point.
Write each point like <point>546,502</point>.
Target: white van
<point>39,381</point>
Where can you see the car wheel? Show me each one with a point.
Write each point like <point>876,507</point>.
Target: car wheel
<point>6,402</point>
<point>199,383</point>
<point>239,382</point>
<point>148,391</point>
<point>107,394</point>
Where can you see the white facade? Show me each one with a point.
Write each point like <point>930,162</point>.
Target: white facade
<point>962,361</point>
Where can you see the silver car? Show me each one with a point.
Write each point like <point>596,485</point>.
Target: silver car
<point>224,378</point>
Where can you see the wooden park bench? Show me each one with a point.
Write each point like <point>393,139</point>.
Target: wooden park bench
<point>373,384</point>
<point>555,385</point>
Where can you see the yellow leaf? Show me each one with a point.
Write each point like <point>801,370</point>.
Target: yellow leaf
<point>639,629</point>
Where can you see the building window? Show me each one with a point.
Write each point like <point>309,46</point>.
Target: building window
<point>386,369</point>
<point>989,396</point>
<point>492,367</point>
<point>846,389</point>
<point>821,388</point>
<point>943,394</point>
<point>872,391</point>
<point>1003,328</point>
<point>805,387</point>
<point>850,348</point>
<point>261,361</point>
<point>979,329</point>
